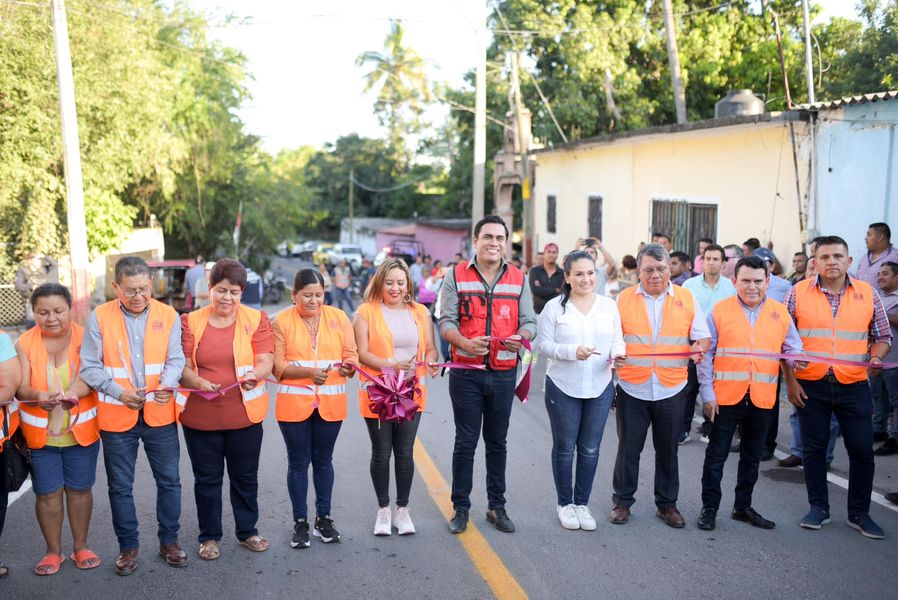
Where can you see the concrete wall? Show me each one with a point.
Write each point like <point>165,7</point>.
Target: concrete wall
<point>746,170</point>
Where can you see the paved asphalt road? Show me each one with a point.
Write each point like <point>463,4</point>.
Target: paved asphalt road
<point>644,559</point>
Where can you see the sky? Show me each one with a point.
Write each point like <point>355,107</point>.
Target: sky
<point>306,89</point>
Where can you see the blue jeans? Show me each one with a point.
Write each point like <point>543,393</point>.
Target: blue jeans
<point>577,423</point>
<point>480,399</point>
<point>884,388</point>
<point>853,407</point>
<point>310,441</point>
<point>796,448</point>
<point>120,456</point>
<point>343,296</point>
<point>71,467</point>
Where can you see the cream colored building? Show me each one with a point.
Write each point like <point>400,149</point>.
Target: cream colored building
<point>728,179</point>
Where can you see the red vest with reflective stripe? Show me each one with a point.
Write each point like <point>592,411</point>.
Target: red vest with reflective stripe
<point>845,336</point>
<point>255,401</point>
<point>380,343</point>
<point>295,403</point>
<point>111,413</point>
<point>481,312</point>
<point>676,324</point>
<point>736,375</point>
<point>34,419</point>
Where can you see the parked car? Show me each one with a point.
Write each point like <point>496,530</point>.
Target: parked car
<point>307,250</point>
<point>351,254</point>
<point>405,249</point>
<point>320,254</point>
<point>168,282</point>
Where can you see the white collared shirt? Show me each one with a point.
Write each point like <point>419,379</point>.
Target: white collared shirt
<point>561,330</point>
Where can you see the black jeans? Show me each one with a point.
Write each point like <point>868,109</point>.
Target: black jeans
<point>773,426</point>
<point>633,419</point>
<point>752,421</point>
<point>4,493</point>
<point>397,439</point>
<point>209,452</point>
<point>853,407</point>
<point>480,400</point>
<point>691,391</point>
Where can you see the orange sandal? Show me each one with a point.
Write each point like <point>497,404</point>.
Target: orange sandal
<point>85,559</point>
<point>49,564</point>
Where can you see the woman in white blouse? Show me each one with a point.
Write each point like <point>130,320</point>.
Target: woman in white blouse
<point>580,333</point>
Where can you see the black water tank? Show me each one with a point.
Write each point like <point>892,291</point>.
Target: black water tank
<point>738,103</point>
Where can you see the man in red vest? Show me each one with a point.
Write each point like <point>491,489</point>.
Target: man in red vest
<point>843,318</point>
<point>740,391</point>
<point>487,311</point>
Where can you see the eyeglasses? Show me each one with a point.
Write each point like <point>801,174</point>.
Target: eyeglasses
<point>222,292</point>
<point>652,270</point>
<point>132,293</point>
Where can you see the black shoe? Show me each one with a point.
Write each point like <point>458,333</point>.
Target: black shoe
<point>707,520</point>
<point>300,534</point>
<point>736,448</point>
<point>683,439</point>
<point>880,436</point>
<point>499,518</point>
<point>324,529</point>
<point>790,461</point>
<point>766,455</point>
<point>889,448</point>
<point>459,522</point>
<point>892,497</point>
<point>751,516</point>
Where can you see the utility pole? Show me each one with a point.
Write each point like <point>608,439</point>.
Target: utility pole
<point>477,203</point>
<point>524,144</point>
<point>74,185</point>
<point>808,58</point>
<point>812,126</point>
<point>673,57</point>
<point>351,202</point>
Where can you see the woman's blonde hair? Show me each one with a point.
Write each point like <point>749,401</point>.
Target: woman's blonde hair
<point>373,293</point>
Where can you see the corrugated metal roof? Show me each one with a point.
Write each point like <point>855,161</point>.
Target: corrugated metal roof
<point>851,101</point>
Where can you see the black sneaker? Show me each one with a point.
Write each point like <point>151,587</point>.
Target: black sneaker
<point>324,529</point>
<point>300,534</point>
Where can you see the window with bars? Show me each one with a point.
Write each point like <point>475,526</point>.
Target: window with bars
<point>685,222</point>
<point>551,212</point>
<point>594,218</point>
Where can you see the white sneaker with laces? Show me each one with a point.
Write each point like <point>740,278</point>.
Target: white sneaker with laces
<point>584,516</point>
<point>382,525</point>
<point>568,517</point>
<point>403,521</point>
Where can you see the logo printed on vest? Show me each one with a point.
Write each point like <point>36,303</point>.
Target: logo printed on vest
<point>678,303</point>
<point>504,312</point>
<point>775,316</point>
<point>246,329</point>
<point>858,296</point>
<point>333,324</point>
<point>156,325</point>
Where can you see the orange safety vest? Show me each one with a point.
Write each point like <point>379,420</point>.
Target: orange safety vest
<point>34,419</point>
<point>845,336</point>
<point>736,375</point>
<point>676,323</point>
<point>380,343</point>
<point>484,312</point>
<point>295,403</point>
<point>255,401</point>
<point>111,413</point>
<point>13,411</point>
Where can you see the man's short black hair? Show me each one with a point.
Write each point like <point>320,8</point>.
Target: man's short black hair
<point>706,240</point>
<point>681,256</point>
<point>658,234</point>
<point>752,262</point>
<point>490,219</point>
<point>829,240</point>
<point>753,243</point>
<point>716,248</point>
<point>131,266</point>
<point>801,253</point>
<point>883,229</point>
<point>893,266</point>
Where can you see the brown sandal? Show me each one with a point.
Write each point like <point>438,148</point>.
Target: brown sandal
<point>209,550</point>
<point>256,543</point>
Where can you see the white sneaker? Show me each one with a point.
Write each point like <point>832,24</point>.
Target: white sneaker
<point>568,517</point>
<point>382,526</point>
<point>584,516</point>
<point>403,521</point>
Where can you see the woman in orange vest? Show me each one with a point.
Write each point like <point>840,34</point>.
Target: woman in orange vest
<point>229,349</point>
<point>63,457</point>
<point>10,375</point>
<point>393,331</point>
<point>311,398</point>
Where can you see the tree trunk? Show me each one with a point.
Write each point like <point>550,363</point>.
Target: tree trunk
<point>673,56</point>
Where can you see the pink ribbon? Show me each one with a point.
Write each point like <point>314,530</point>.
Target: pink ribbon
<point>391,396</point>
<point>523,388</point>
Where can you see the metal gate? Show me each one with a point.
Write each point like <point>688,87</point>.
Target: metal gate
<point>686,223</point>
<point>594,218</point>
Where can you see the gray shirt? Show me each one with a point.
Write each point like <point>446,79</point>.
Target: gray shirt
<point>449,301</point>
<point>94,373</point>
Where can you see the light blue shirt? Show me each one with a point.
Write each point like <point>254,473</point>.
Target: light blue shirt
<point>705,369</point>
<point>652,389</point>
<point>706,295</point>
<point>7,350</point>
<point>778,288</point>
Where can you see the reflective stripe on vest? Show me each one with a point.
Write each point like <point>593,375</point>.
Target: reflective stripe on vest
<point>845,336</point>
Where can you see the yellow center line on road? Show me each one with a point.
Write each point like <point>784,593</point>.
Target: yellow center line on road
<point>502,583</point>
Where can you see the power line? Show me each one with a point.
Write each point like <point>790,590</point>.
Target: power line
<point>395,188</point>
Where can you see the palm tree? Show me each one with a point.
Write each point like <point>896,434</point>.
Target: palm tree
<point>397,74</point>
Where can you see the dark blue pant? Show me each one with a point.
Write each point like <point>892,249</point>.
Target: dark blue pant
<point>120,456</point>
<point>209,452</point>
<point>752,422</point>
<point>577,424</point>
<point>310,441</point>
<point>634,416</point>
<point>853,407</point>
<point>480,399</point>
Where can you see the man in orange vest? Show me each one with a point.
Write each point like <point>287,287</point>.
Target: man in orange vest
<point>132,349</point>
<point>656,317</point>
<point>739,391</point>
<point>487,310</point>
<point>843,318</point>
